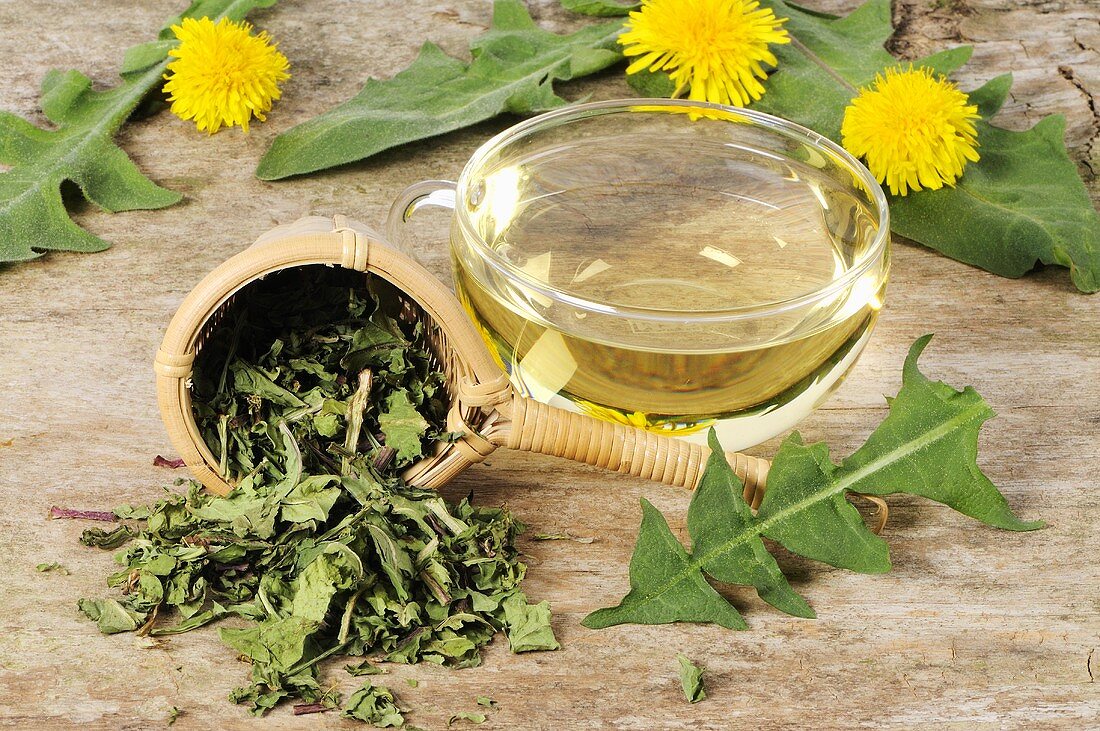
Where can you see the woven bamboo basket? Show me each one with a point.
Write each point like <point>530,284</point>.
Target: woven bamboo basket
<point>483,405</point>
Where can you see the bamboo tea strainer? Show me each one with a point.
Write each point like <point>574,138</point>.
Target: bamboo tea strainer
<point>483,405</point>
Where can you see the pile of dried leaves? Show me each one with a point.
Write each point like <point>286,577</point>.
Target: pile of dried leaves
<point>313,398</point>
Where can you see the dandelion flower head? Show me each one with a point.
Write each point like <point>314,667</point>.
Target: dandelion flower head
<point>222,74</point>
<point>719,48</point>
<point>915,130</point>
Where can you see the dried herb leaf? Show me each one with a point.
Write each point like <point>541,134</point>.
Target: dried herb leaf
<point>106,539</point>
<point>471,716</point>
<point>926,446</point>
<point>528,625</point>
<point>691,679</point>
<point>364,668</point>
<point>403,426</point>
<point>320,546</point>
<point>110,616</point>
<point>376,705</point>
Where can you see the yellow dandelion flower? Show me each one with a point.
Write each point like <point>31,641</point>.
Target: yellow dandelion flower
<point>914,129</point>
<point>223,75</point>
<point>717,47</point>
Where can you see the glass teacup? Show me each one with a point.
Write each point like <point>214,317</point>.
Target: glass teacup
<point>669,264</point>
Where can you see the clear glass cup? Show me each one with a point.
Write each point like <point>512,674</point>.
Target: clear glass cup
<point>669,264</point>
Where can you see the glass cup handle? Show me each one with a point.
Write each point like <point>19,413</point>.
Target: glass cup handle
<point>426,193</point>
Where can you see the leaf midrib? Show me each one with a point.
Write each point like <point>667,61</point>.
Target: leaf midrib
<point>840,486</point>
<point>351,113</point>
<point>108,125</point>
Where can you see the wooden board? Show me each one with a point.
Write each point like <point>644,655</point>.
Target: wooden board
<point>975,628</point>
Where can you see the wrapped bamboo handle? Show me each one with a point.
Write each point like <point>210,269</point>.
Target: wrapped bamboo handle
<point>537,427</point>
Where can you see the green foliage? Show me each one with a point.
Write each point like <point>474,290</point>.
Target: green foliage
<point>1022,203</point>
<point>600,8</point>
<point>691,679</point>
<point>374,704</point>
<point>80,149</point>
<point>303,373</point>
<point>528,625</point>
<point>514,67</point>
<point>403,426</point>
<point>651,84</point>
<point>320,548</point>
<point>471,716</point>
<point>926,446</point>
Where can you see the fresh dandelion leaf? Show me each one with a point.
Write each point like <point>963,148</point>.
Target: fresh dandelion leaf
<point>665,585</point>
<point>600,8</point>
<point>926,446</point>
<point>718,507</point>
<point>809,498</point>
<point>1024,195</point>
<point>515,65</point>
<point>80,149</point>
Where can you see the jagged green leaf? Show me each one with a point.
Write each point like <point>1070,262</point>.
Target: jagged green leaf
<point>80,149</point>
<point>664,584</point>
<point>718,507</point>
<point>514,67</point>
<point>926,446</point>
<point>810,516</point>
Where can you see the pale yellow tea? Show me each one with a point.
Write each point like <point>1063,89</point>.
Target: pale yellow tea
<point>669,296</point>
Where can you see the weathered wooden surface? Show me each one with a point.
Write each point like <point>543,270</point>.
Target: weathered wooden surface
<point>974,628</point>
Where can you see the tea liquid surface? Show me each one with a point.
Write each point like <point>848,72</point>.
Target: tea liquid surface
<point>649,247</point>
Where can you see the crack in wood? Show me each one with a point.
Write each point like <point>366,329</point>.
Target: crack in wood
<point>1070,75</point>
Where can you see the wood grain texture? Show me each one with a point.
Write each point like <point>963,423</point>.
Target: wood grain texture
<point>975,628</point>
